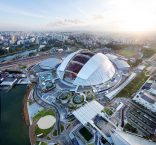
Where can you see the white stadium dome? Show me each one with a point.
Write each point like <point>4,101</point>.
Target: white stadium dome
<point>84,68</point>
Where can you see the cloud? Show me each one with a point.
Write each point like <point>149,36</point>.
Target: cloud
<point>102,15</point>
<point>65,22</point>
<point>98,17</point>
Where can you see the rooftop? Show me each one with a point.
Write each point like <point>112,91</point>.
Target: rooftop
<point>87,112</point>
<point>122,138</point>
<point>50,63</point>
<point>147,97</point>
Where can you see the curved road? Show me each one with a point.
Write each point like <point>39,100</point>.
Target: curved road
<point>37,98</point>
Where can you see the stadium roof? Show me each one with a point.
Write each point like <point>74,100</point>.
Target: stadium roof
<point>87,112</point>
<point>111,56</point>
<point>86,68</point>
<point>50,63</point>
<point>121,64</point>
<point>66,60</point>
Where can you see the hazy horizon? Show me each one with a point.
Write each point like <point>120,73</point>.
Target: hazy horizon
<point>90,15</point>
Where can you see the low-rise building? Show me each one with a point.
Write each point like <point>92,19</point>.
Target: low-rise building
<point>147,96</point>
<point>146,99</point>
<point>152,89</point>
<point>8,82</point>
<point>120,64</point>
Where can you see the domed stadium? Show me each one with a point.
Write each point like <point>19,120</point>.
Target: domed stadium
<point>85,68</point>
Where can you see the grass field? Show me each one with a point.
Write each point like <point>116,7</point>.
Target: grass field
<point>133,86</point>
<point>44,131</point>
<point>108,111</point>
<point>42,143</point>
<point>127,52</point>
<point>43,113</point>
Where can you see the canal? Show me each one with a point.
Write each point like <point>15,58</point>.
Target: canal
<point>13,130</point>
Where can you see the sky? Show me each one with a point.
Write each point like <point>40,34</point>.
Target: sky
<point>68,15</point>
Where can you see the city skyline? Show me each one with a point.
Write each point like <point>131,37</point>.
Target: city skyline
<point>92,15</point>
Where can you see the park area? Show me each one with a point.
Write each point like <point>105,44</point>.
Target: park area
<point>42,113</point>
<point>45,122</point>
<point>128,52</point>
<point>108,111</point>
<point>130,128</point>
<point>133,86</point>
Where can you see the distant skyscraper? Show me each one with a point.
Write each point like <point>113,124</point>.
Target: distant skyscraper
<point>37,40</point>
<point>14,38</point>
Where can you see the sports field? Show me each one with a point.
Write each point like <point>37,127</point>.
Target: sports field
<point>128,52</point>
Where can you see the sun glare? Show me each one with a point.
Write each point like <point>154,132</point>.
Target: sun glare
<point>138,15</point>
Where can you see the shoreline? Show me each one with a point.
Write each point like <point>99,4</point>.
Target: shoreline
<point>25,109</point>
<point>27,120</point>
<point>26,114</point>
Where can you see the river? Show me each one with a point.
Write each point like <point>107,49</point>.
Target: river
<point>13,130</point>
<point>14,56</point>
